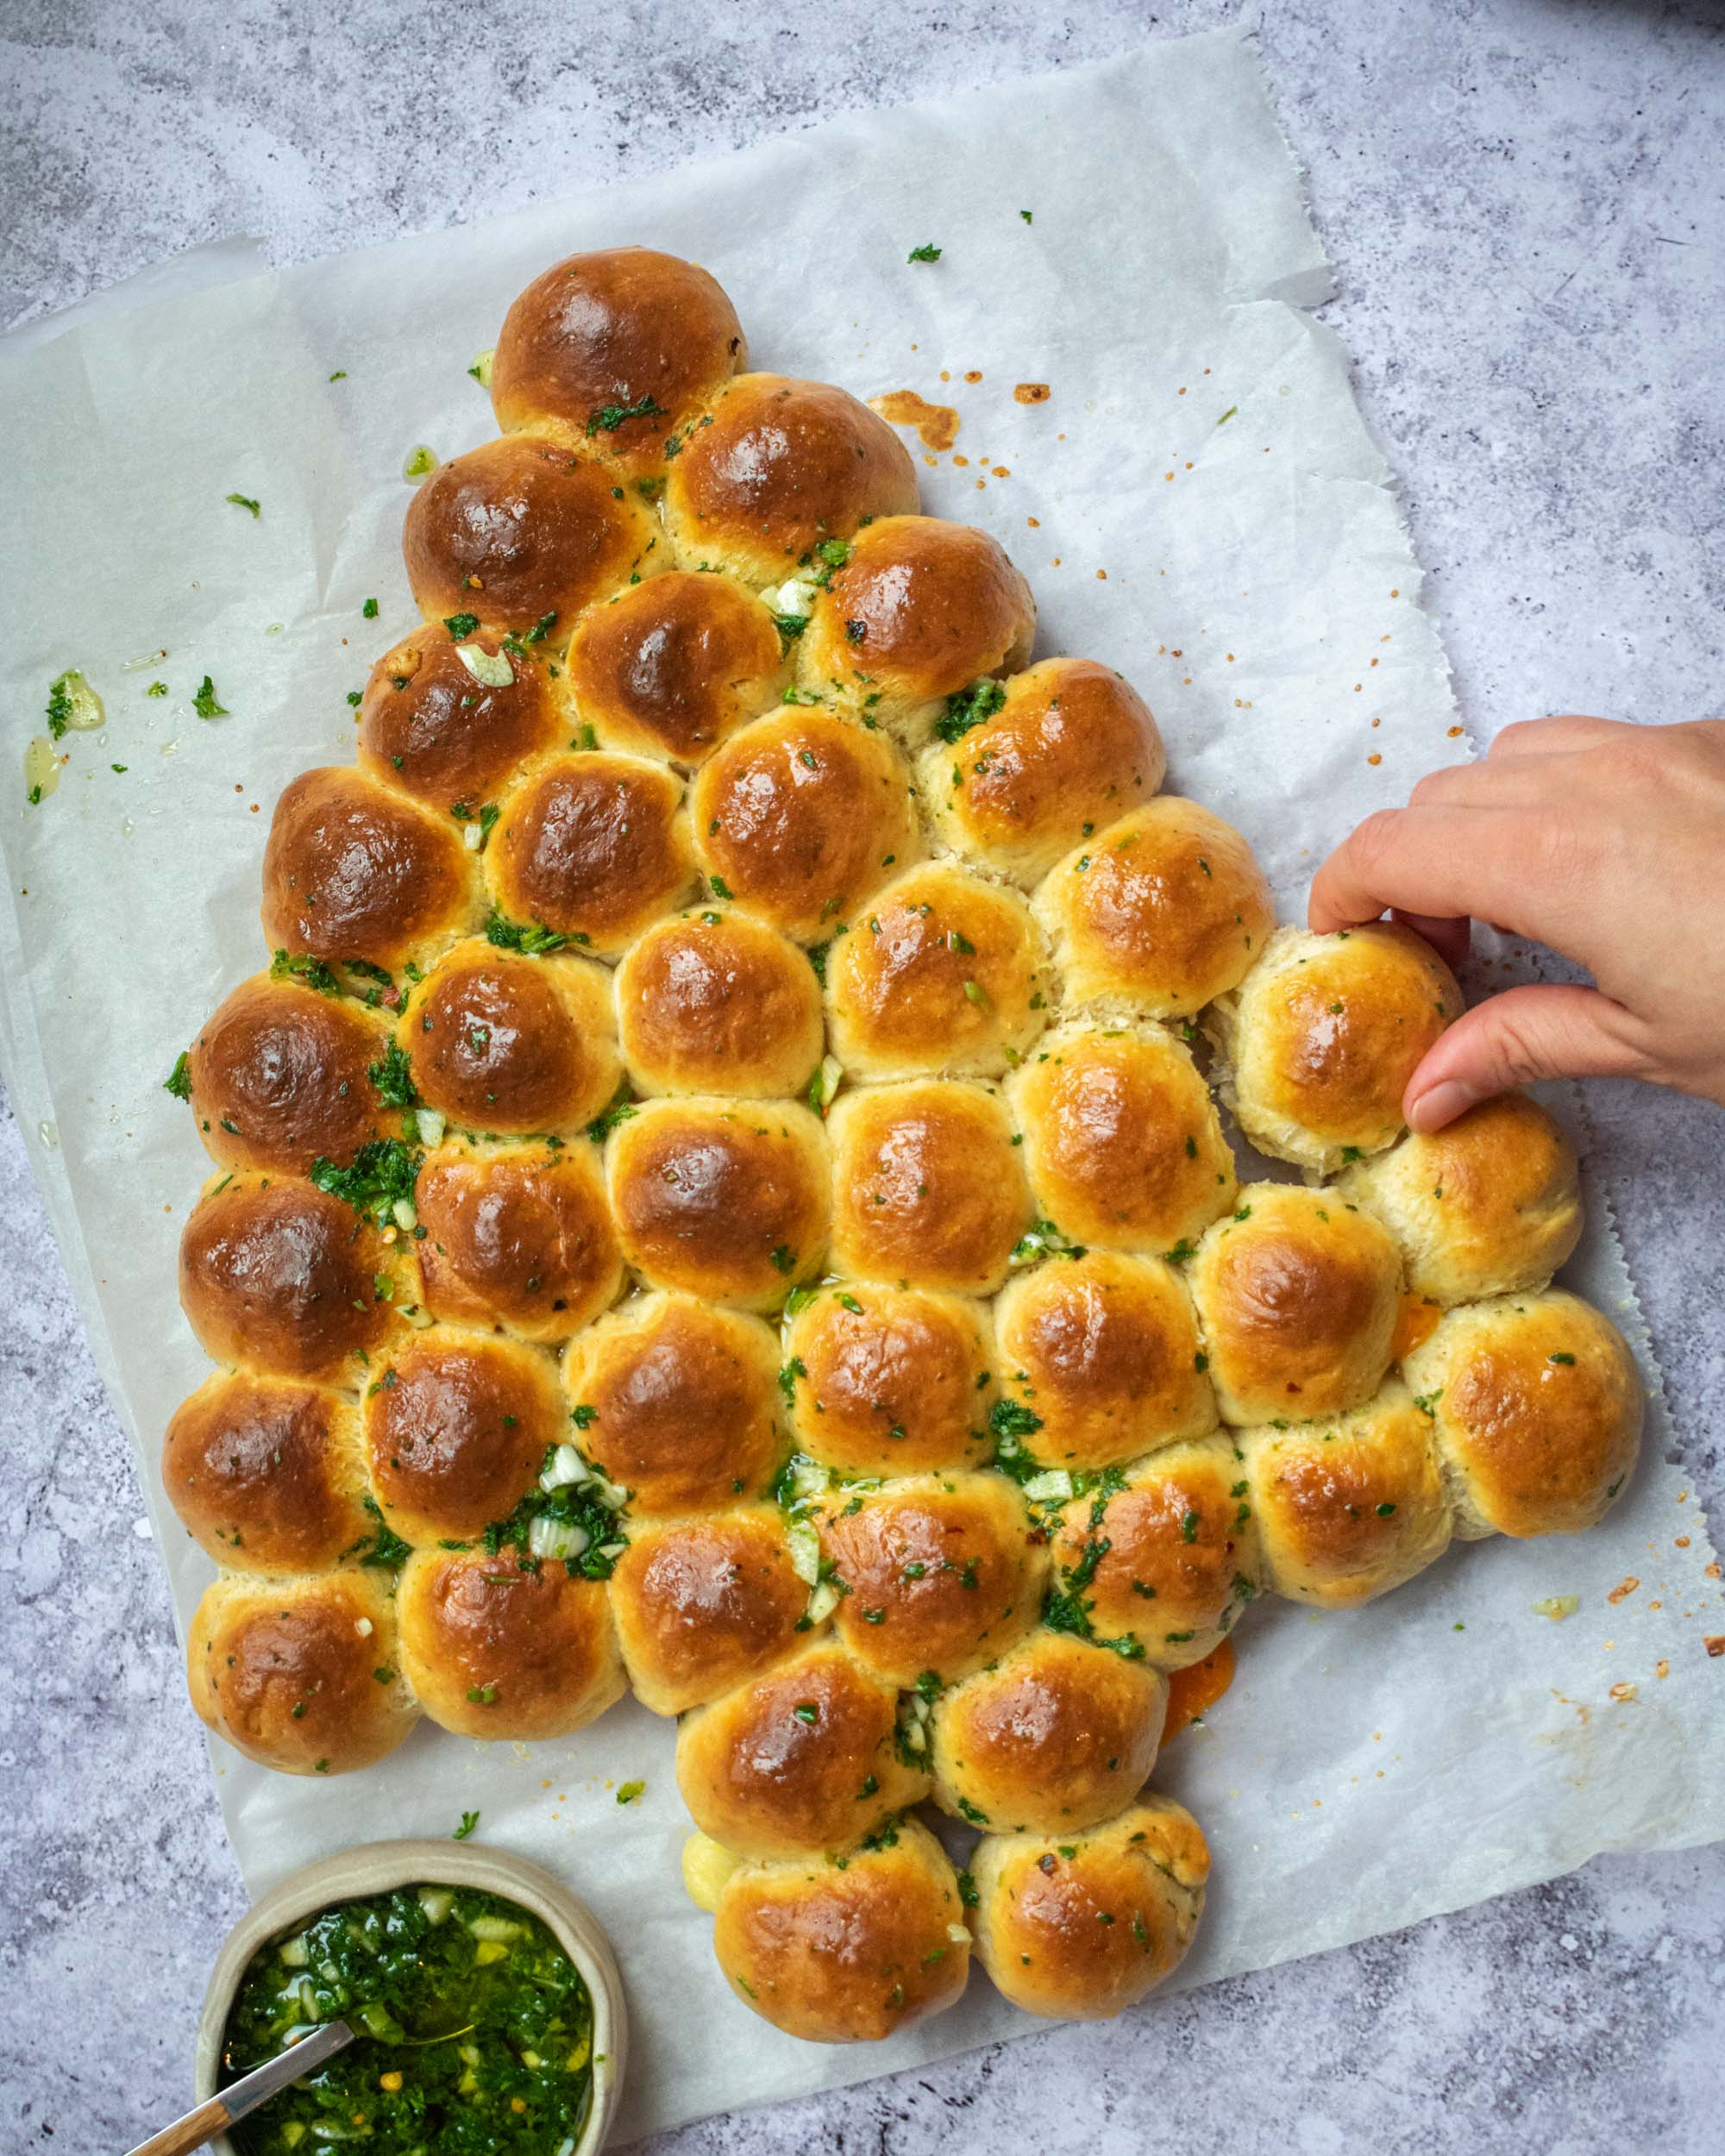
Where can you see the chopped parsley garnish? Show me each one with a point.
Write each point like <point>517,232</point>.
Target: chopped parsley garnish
<point>459,626</point>
<point>628,1791</point>
<point>302,966</point>
<point>533,940</point>
<point>178,1079</point>
<point>618,1110</point>
<point>609,418</point>
<point>393,1076</point>
<point>382,1175</point>
<point>383,1547</point>
<point>244,501</point>
<point>970,708</point>
<point>927,253</point>
<point>206,703</point>
<point>469,1820</point>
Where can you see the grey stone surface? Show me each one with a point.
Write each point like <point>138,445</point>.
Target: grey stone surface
<point>1523,199</point>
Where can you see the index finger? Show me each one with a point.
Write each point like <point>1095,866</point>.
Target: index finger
<point>1447,862</point>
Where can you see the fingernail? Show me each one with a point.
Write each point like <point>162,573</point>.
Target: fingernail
<point>1442,1104</point>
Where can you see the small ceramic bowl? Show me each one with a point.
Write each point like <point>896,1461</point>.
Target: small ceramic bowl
<point>375,1867</point>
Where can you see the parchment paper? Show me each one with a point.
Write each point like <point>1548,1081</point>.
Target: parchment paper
<point>1197,503</point>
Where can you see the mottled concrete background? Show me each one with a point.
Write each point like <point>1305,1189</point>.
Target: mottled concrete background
<point>1523,199</point>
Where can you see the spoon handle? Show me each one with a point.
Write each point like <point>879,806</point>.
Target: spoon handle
<point>191,2131</point>
<point>247,2094</point>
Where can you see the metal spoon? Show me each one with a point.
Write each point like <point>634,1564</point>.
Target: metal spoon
<point>245,2095</point>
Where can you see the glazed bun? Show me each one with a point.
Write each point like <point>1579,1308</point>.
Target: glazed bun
<point>280,1077</point>
<point>456,1427</point>
<point>918,610</point>
<point>301,1675</point>
<point>278,1277</point>
<point>267,1473</point>
<point>496,1648</point>
<point>802,1760</point>
<point>1100,1357</point>
<point>1323,1035</point>
<point>940,1572</point>
<point>850,1956</point>
<point>593,848</point>
<point>802,816</point>
<point>617,347</point>
<point>502,1043</point>
<point>1158,914</point>
<point>1347,1509</point>
<point>1536,1404</point>
<point>678,1403</point>
<point>1056,755</point>
<point>927,1186</point>
<point>671,667</point>
<point>703,1605</point>
<point>778,469</point>
<point>717,1002</point>
<point>1081,1928</point>
<point>429,726</point>
<point>1057,1734</point>
<point>353,871</point>
<point>522,533</point>
<point>1490,1205</point>
<point>890,1381</point>
<point>722,1199</point>
<point>1298,1295</point>
<point>1179,1555</point>
<point>1122,1142</point>
<point>941,976</point>
<point>517,1236</point>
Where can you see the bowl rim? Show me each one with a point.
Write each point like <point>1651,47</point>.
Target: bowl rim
<point>376,1867</point>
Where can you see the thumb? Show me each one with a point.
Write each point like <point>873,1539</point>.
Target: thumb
<point>1515,1038</point>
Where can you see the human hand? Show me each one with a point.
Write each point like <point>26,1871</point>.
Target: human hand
<point>1606,842</point>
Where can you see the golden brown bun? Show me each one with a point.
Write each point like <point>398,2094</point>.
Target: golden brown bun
<point>500,1043</point>
<point>928,1189</point>
<point>678,1403</point>
<point>301,1675</point>
<point>276,1275</point>
<point>716,1002</point>
<point>1537,1406</point>
<point>430,727</point>
<point>1069,750</point>
<point>278,1077</point>
<point>776,469</point>
<point>522,528</point>
<point>593,847</point>
<point>803,817</point>
<point>1323,1035</point>
<point>611,332</point>
<point>940,1572</point>
<point>1122,1140</point>
<point>352,870</point>
<point>1179,1555</point>
<point>517,1236</point>
<point>493,1648</point>
<point>920,610</point>
<point>1103,1350</point>
<point>1297,1295</point>
<point>1056,1735</point>
<point>726,1200</point>
<point>1347,1508</point>
<point>1158,914</point>
<point>267,1474</point>
<point>1490,1205</point>
<point>1081,1928</point>
<point>672,666</point>
<point>942,974</point>
<point>802,1758</point>
<point>851,1956</point>
<point>702,1605</point>
<point>890,1381</point>
<point>457,1424</point>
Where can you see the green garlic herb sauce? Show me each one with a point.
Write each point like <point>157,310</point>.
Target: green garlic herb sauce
<point>509,2070</point>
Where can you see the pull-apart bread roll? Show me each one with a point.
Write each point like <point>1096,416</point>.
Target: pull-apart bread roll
<point>704,1604</point>
<point>619,348</point>
<point>280,1077</point>
<point>852,1954</point>
<point>917,611</point>
<point>301,1675</point>
<point>1158,914</point>
<point>592,848</point>
<point>1298,1295</point>
<point>778,475</point>
<point>1347,1508</point>
<point>890,1381</point>
<point>1325,1032</point>
<point>448,718</point>
<point>267,1473</point>
<point>1490,1205</point>
<point>1081,1926</point>
<point>1022,770</point>
<point>714,1001</point>
<point>1536,1404</point>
